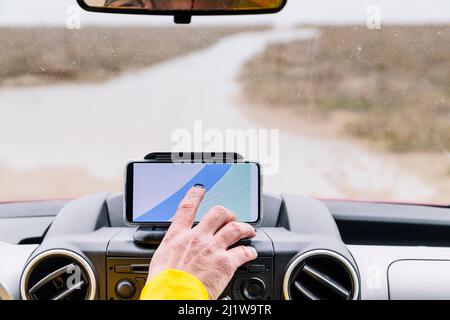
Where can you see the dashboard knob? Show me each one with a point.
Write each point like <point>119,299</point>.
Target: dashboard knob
<point>253,289</point>
<point>125,289</point>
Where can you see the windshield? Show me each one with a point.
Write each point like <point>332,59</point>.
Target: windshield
<point>335,99</point>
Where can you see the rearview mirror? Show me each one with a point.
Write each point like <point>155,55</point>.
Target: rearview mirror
<point>183,10</point>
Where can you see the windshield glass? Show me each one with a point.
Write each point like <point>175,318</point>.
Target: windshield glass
<point>336,99</point>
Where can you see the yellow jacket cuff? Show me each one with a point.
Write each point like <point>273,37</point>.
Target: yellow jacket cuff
<point>172,284</point>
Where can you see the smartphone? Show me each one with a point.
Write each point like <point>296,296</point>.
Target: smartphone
<point>153,190</point>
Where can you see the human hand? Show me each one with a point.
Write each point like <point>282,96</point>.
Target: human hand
<point>203,251</point>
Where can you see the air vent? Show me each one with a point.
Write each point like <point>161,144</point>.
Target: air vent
<point>58,275</point>
<point>321,275</point>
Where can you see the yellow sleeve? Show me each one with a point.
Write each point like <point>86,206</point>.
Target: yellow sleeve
<point>172,284</point>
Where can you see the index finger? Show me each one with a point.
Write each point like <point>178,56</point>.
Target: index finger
<point>185,215</point>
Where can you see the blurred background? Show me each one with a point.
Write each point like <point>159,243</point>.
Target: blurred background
<point>359,90</point>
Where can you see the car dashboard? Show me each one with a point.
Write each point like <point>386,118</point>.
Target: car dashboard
<point>308,249</point>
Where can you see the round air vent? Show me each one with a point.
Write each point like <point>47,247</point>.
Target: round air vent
<point>58,275</point>
<point>321,275</point>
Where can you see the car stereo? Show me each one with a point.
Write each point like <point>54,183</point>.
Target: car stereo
<point>127,277</point>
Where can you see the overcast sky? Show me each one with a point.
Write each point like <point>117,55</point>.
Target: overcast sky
<point>54,12</point>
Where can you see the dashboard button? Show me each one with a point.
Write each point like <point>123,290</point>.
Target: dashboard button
<point>243,268</point>
<point>141,282</point>
<point>122,269</point>
<point>255,268</point>
<point>125,289</point>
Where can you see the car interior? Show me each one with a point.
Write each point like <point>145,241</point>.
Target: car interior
<point>309,247</point>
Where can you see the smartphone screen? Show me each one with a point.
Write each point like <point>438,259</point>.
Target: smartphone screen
<point>154,189</point>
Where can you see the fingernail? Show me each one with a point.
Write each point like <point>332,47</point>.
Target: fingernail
<point>199,185</point>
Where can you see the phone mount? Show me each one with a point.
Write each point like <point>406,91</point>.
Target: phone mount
<point>153,235</point>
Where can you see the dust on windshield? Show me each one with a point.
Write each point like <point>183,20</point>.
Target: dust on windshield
<point>354,104</point>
